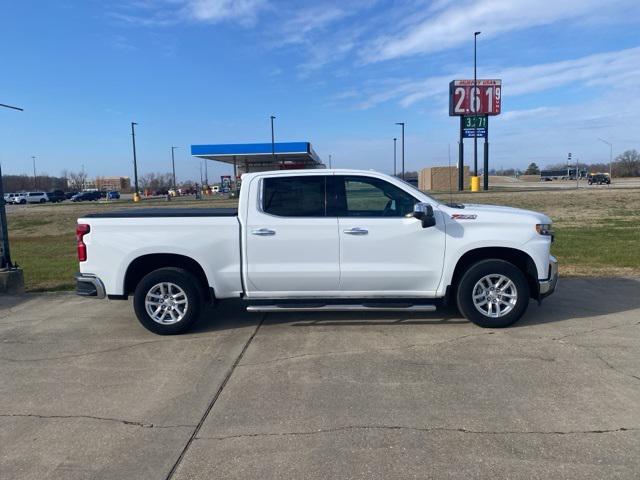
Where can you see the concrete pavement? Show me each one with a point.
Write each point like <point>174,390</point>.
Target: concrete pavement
<point>87,393</point>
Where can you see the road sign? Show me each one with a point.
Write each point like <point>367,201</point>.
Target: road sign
<point>475,125</point>
<point>486,98</point>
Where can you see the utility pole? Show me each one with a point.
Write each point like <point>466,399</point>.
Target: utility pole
<point>395,140</point>
<point>402,125</point>
<point>330,161</point>
<point>173,166</point>
<point>610,157</point>
<point>5,254</point>
<point>206,173</point>
<point>136,194</point>
<point>273,141</point>
<point>35,179</point>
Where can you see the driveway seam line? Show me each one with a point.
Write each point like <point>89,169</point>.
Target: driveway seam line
<point>213,401</point>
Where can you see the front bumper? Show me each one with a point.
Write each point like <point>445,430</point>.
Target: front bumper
<point>89,286</point>
<point>548,286</point>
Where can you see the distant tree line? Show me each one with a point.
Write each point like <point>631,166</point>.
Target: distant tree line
<point>627,164</point>
<point>25,183</point>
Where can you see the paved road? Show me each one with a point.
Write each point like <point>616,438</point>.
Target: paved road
<point>87,393</point>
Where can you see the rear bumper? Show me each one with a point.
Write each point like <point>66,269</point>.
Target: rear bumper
<point>548,286</point>
<point>89,286</point>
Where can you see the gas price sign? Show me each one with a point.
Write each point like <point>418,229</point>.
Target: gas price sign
<point>474,126</point>
<point>484,99</point>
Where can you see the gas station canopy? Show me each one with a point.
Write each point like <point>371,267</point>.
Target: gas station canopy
<point>252,157</point>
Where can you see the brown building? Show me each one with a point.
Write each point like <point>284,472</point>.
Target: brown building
<point>441,179</point>
<point>108,184</point>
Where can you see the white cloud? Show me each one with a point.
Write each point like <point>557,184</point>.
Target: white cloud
<point>616,69</point>
<point>243,11</point>
<point>454,23</point>
<point>160,13</point>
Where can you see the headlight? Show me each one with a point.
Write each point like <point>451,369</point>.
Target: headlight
<point>544,229</point>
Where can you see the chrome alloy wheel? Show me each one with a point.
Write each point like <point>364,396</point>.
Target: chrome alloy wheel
<point>166,303</point>
<point>495,295</point>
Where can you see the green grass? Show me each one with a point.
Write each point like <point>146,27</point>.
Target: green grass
<point>49,262</point>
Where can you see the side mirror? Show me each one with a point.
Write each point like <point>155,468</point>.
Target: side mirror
<point>424,212</point>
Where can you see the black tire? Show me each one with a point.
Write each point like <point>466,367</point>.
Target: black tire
<point>185,281</point>
<point>42,200</point>
<point>467,284</point>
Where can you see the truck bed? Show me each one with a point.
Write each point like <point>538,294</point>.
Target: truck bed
<point>166,212</point>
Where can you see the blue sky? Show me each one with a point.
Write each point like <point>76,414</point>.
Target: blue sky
<point>338,74</point>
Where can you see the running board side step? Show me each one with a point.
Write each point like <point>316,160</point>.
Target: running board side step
<point>339,308</point>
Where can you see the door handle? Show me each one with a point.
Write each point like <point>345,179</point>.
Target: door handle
<point>357,231</point>
<point>264,232</point>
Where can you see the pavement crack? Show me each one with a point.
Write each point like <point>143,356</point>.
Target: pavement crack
<point>606,362</point>
<point>575,334</point>
<point>97,352</point>
<point>423,430</point>
<point>213,401</point>
<point>91,417</point>
<point>355,352</point>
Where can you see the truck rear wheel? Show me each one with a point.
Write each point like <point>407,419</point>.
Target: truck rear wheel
<point>493,294</point>
<point>167,301</point>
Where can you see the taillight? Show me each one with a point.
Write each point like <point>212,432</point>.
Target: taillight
<point>81,230</point>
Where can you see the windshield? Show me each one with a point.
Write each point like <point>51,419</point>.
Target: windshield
<point>416,191</point>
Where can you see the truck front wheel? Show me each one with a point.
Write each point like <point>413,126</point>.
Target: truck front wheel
<point>493,294</point>
<point>167,301</point>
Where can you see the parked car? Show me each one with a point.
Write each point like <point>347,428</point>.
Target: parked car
<point>30,197</point>
<point>68,195</point>
<point>113,195</point>
<point>85,196</point>
<point>598,179</point>
<point>319,240</point>
<point>56,196</point>
<point>8,197</point>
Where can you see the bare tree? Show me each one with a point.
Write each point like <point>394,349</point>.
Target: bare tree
<point>627,164</point>
<point>77,180</point>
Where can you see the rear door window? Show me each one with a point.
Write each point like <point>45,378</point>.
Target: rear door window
<point>296,196</point>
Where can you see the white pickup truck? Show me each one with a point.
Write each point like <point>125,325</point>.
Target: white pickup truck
<point>311,240</point>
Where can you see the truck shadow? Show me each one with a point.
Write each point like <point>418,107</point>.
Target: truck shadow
<point>574,298</point>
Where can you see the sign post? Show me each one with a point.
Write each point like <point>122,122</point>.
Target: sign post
<point>474,101</point>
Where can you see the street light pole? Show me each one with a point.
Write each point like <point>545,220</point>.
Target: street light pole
<point>35,181</point>
<point>5,254</point>
<point>395,140</point>
<point>136,195</point>
<point>273,141</point>
<point>402,125</point>
<point>610,156</point>
<point>475,105</point>
<point>173,166</point>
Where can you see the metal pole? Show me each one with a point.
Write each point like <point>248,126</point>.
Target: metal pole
<point>486,155</point>
<point>402,125</point>
<point>461,157</point>
<point>330,161</point>
<point>273,141</point>
<point>173,166</point>
<point>135,161</point>
<point>206,173</point>
<point>473,104</point>
<point>610,156</point>
<point>5,253</point>
<point>394,156</point>
<point>35,179</point>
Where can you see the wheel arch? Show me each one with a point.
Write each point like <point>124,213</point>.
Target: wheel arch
<point>145,264</point>
<point>519,258</point>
